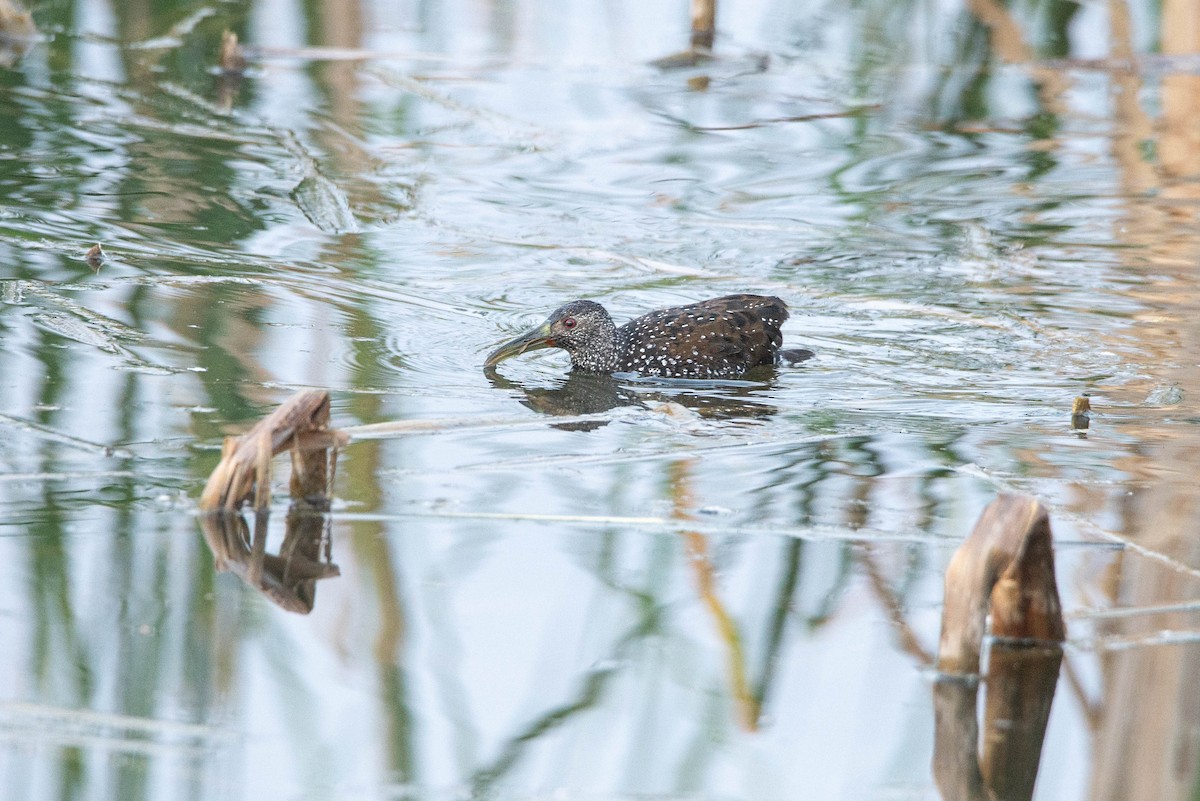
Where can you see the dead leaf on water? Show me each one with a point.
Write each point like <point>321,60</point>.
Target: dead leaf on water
<point>324,204</point>
<point>94,256</point>
<point>320,200</point>
<point>73,328</point>
<point>1164,395</point>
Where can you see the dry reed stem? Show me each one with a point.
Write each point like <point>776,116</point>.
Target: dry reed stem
<point>300,425</point>
<point>1006,567</point>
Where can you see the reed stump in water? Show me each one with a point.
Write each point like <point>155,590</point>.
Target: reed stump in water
<point>299,426</point>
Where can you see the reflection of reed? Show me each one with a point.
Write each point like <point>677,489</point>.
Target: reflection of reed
<point>343,154</point>
<point>1009,45</point>
<point>1132,127</point>
<point>1020,688</point>
<point>649,621</point>
<point>895,608</point>
<point>1148,691</point>
<point>588,696</point>
<point>288,578</point>
<point>697,552</point>
<point>793,548</point>
<point>17,32</point>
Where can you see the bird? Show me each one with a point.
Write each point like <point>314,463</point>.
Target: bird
<point>713,339</point>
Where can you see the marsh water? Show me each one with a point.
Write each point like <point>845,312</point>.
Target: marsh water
<point>563,587</point>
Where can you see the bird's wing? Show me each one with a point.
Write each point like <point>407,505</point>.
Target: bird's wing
<point>727,334</point>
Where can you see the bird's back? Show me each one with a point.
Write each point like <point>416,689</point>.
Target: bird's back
<point>719,338</point>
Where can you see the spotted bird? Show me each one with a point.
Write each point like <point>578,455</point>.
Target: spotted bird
<point>719,338</point>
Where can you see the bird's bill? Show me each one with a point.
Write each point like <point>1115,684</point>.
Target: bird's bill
<point>536,339</point>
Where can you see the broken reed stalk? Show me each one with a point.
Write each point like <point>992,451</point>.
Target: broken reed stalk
<point>300,426</point>
<point>1006,567</point>
<point>704,24</point>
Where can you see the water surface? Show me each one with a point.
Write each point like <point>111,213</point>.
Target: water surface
<point>976,213</point>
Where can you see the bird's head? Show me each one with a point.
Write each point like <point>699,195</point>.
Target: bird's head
<point>579,327</point>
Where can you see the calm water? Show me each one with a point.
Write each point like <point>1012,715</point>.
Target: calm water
<point>976,214</point>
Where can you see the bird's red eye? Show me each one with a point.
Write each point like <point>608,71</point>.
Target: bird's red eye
<point>568,322</point>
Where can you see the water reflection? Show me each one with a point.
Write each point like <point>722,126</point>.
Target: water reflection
<point>586,393</point>
<point>288,577</point>
<point>698,554</point>
<point>577,393</point>
<point>1002,764</point>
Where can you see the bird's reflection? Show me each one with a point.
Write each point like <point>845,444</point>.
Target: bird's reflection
<point>288,578</point>
<point>581,393</point>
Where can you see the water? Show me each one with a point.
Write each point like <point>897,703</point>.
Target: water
<point>694,592</point>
